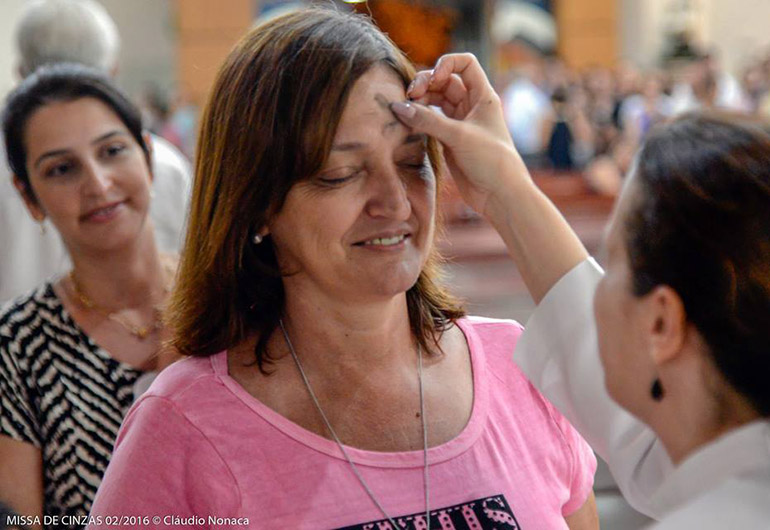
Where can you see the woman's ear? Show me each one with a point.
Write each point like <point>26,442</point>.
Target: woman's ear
<point>34,208</point>
<point>667,324</point>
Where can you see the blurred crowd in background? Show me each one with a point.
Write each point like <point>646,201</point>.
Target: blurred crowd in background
<point>594,120</point>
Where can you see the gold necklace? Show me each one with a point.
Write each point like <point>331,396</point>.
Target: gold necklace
<point>140,332</point>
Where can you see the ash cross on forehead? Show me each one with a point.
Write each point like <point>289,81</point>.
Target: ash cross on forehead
<point>383,102</point>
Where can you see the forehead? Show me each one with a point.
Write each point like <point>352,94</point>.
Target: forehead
<point>367,105</point>
<point>62,123</point>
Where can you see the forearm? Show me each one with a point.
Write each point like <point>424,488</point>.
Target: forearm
<point>21,477</point>
<point>539,239</point>
<point>586,517</point>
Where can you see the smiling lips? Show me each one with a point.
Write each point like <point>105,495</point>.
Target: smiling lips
<point>103,213</point>
<point>384,241</point>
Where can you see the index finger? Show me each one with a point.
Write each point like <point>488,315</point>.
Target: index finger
<point>468,68</point>
<point>419,85</point>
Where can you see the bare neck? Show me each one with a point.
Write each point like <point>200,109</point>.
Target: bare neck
<point>350,337</point>
<point>699,407</point>
<point>131,276</point>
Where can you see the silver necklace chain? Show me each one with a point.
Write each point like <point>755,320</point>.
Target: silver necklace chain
<point>342,447</point>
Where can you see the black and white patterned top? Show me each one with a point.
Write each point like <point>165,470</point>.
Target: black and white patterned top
<point>62,393</point>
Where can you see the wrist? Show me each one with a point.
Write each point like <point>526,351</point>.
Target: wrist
<point>514,187</point>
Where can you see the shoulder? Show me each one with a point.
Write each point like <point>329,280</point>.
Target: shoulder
<point>20,316</point>
<point>25,327</point>
<point>497,337</point>
<point>186,380</point>
<point>197,390</point>
<point>492,325</point>
<point>168,161</point>
<point>187,406</point>
<point>491,342</point>
<point>162,461</point>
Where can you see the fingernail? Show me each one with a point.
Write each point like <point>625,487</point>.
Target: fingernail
<point>432,76</point>
<point>405,110</point>
<point>411,86</point>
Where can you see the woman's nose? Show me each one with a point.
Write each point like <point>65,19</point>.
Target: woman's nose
<point>98,179</point>
<point>389,195</point>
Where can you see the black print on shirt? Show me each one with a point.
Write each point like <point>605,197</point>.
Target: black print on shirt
<point>490,513</point>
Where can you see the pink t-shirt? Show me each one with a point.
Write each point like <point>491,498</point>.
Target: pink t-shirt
<point>198,450</point>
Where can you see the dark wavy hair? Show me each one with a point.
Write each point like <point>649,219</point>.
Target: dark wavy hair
<point>269,123</point>
<point>60,82</point>
<point>702,227</point>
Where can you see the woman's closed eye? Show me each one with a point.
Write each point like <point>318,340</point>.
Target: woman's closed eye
<point>340,176</point>
<point>417,165</point>
<point>412,163</point>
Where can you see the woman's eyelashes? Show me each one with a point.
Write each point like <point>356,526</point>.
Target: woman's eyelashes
<point>336,178</point>
<point>420,165</point>
<point>409,166</point>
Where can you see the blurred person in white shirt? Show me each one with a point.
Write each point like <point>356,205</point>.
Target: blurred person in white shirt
<point>699,76</point>
<point>526,105</point>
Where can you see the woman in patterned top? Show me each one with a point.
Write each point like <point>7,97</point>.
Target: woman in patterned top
<point>72,350</point>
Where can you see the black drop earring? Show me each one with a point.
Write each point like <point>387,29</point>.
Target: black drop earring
<point>656,391</point>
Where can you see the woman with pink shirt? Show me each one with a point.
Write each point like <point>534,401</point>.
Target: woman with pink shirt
<point>332,381</point>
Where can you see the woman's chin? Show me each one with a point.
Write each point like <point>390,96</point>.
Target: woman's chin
<point>397,289</point>
<point>391,286</point>
<point>112,240</point>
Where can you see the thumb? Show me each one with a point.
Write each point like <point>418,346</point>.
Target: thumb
<point>422,119</point>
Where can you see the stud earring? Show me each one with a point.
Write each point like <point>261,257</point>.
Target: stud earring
<point>257,239</point>
<point>656,391</point>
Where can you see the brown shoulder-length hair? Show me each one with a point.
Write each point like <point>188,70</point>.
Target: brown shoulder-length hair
<point>269,123</point>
